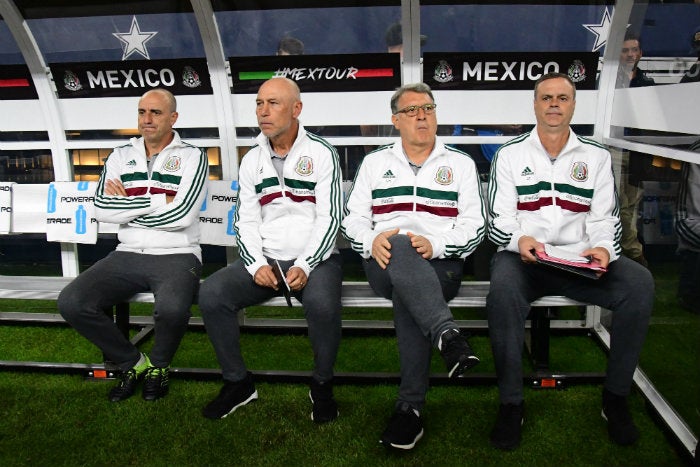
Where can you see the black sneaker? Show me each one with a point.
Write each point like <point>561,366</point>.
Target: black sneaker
<point>231,396</point>
<point>325,409</point>
<point>155,383</point>
<point>621,427</point>
<point>457,353</point>
<point>507,432</point>
<point>404,430</point>
<point>126,386</point>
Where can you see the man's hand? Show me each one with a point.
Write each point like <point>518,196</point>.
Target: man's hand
<point>114,187</point>
<point>264,277</point>
<point>525,245</point>
<point>296,278</point>
<point>421,244</point>
<point>381,247</point>
<point>598,254</point>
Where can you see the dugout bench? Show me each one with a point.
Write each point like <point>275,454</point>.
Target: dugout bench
<point>472,294</point>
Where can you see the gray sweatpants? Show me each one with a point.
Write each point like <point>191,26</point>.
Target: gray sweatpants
<point>627,289</point>
<point>231,289</point>
<point>419,290</point>
<point>173,279</point>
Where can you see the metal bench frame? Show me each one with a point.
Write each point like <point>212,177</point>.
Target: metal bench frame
<point>354,295</point>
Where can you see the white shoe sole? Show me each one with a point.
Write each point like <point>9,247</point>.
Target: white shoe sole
<point>252,397</point>
<point>407,446</point>
<point>472,361</point>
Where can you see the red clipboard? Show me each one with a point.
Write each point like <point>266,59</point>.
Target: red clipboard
<point>590,269</point>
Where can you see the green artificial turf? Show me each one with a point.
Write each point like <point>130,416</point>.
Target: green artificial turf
<point>66,420</point>
<point>58,420</point>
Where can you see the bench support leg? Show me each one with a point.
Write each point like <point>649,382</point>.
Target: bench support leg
<point>539,338</point>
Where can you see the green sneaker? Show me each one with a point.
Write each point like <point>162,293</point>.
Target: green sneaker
<point>128,381</point>
<point>155,384</point>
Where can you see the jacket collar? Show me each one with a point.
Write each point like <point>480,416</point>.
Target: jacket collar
<point>437,152</point>
<point>571,144</point>
<point>140,146</point>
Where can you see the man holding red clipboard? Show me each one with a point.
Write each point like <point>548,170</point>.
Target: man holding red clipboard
<point>553,187</point>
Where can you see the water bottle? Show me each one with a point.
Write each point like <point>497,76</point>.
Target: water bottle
<point>229,223</point>
<point>52,199</point>
<point>80,220</point>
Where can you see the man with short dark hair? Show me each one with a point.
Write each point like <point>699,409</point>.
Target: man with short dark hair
<point>630,74</point>
<point>289,45</point>
<point>634,165</point>
<point>551,186</point>
<point>394,39</point>
<point>153,188</point>
<point>414,213</point>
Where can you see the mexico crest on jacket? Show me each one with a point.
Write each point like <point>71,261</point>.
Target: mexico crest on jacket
<point>579,171</point>
<point>305,166</point>
<point>172,164</point>
<point>444,175</point>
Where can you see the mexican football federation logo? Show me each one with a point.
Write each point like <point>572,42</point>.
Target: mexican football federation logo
<point>305,166</point>
<point>444,175</point>
<point>579,171</point>
<point>71,81</point>
<point>443,72</point>
<point>172,164</point>
<point>577,71</point>
<point>190,78</point>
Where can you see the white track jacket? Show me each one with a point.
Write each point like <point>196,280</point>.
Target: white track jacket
<point>148,224</point>
<point>297,219</point>
<point>571,202</point>
<point>442,202</point>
